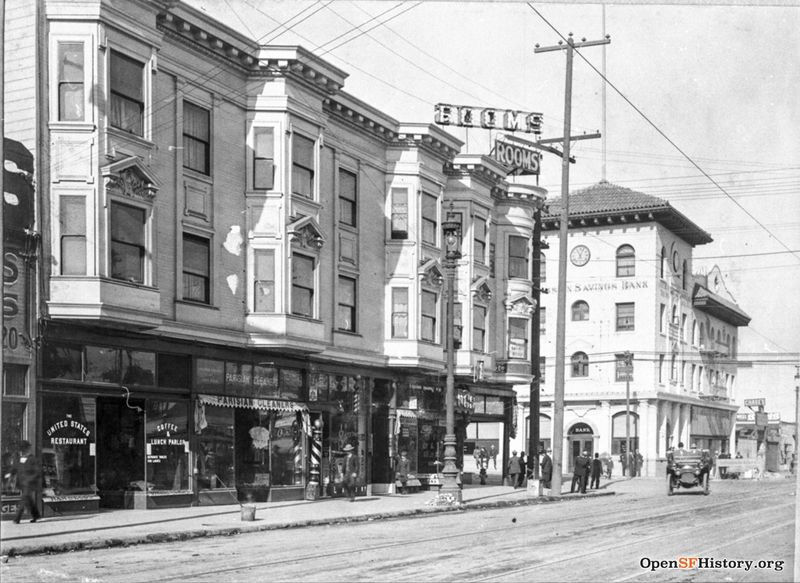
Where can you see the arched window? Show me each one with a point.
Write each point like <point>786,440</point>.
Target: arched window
<point>542,268</point>
<point>663,263</point>
<point>580,365</point>
<point>618,424</point>
<point>685,275</point>
<point>580,311</point>
<point>626,261</point>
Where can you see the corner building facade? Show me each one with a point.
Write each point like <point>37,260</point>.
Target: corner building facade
<point>240,266</point>
<point>630,287</point>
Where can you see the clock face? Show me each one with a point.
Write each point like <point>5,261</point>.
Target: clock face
<point>580,255</point>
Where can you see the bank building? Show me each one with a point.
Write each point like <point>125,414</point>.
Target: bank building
<point>631,288</point>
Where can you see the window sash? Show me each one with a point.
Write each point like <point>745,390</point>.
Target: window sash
<point>479,240</point>
<point>517,338</point>
<point>428,302</point>
<point>399,312</point>
<point>196,268</point>
<point>264,282</point>
<point>518,257</point>
<point>580,312</point>
<point>626,261</point>
<point>72,221</point>
<point>399,217</point>
<point>542,268</point>
<point>303,286</point>
<point>478,328</point>
<point>347,197</point>
<point>196,122</point>
<point>346,312</point>
<point>127,242</point>
<point>580,365</point>
<point>625,316</point>
<point>70,82</point>
<point>429,218</point>
<point>264,158</point>
<point>126,102</point>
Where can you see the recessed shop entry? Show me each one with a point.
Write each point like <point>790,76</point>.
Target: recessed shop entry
<point>581,438</point>
<point>120,450</point>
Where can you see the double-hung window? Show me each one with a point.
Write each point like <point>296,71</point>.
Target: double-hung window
<point>517,257</point>
<point>399,211</point>
<point>196,141</point>
<point>478,328</point>
<point>399,312</point>
<point>348,188</point>
<point>263,158</point>
<point>196,268</point>
<point>626,261</point>
<point>479,240</point>
<point>580,365</point>
<point>303,286</point>
<point>302,166</point>
<point>346,310</point>
<point>72,223</point>
<point>429,302</point>
<point>127,242</point>
<point>264,282</point>
<point>625,316</point>
<point>517,338</point>
<point>127,94</point>
<point>429,218</point>
<point>71,90</point>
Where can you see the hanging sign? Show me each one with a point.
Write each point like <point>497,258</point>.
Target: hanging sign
<point>518,157</point>
<point>467,116</point>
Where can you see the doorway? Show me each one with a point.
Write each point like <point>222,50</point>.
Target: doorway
<point>120,451</point>
<point>578,445</point>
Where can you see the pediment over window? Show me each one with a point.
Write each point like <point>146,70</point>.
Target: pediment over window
<point>430,273</point>
<point>520,304</point>
<point>481,290</point>
<point>129,177</point>
<point>306,232</point>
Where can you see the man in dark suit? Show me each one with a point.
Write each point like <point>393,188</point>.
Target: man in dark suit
<point>580,472</point>
<point>350,472</point>
<point>29,480</point>
<point>547,469</point>
<point>597,470</point>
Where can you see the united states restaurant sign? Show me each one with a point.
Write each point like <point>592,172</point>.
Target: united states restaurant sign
<point>488,118</point>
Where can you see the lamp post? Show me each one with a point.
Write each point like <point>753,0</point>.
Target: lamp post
<point>627,357</point>
<point>451,229</point>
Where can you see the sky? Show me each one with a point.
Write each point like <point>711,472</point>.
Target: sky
<point>701,109</point>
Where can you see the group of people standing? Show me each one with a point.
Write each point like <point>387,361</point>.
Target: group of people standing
<point>586,470</point>
<point>631,463</point>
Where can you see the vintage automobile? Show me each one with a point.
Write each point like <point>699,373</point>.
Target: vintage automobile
<point>687,469</point>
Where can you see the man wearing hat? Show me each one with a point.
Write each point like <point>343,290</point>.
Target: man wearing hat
<point>513,468</point>
<point>350,472</point>
<point>547,469</point>
<point>29,479</point>
<point>403,469</point>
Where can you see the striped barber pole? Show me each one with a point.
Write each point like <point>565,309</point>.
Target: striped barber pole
<point>312,488</point>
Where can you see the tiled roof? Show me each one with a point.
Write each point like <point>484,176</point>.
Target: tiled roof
<point>607,199</point>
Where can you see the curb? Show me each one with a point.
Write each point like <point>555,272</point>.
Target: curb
<point>163,537</point>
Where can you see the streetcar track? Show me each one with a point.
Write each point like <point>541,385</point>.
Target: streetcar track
<point>613,547</point>
<point>397,544</point>
<point>714,548</point>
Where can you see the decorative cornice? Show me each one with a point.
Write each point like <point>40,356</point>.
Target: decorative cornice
<point>205,41</point>
<point>350,116</point>
<point>129,177</point>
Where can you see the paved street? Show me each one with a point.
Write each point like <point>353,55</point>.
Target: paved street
<point>597,539</point>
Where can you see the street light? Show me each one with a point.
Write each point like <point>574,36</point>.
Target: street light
<point>452,253</point>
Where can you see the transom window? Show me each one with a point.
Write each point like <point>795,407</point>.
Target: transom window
<point>348,188</point>
<point>196,268</point>
<point>580,365</point>
<point>303,286</point>
<point>196,131</point>
<point>626,261</point>
<point>346,309</point>
<point>302,166</point>
<point>71,89</point>
<point>518,257</point>
<point>127,242</point>
<point>126,109</point>
<point>580,311</point>
<point>429,218</point>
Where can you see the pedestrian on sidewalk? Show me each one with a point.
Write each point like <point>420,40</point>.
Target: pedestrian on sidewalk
<point>476,453</point>
<point>513,468</point>
<point>547,469</point>
<point>493,455</point>
<point>350,472</point>
<point>638,462</point>
<point>624,463</point>
<point>580,472</point>
<point>597,471</point>
<point>29,481</point>
<point>609,467</point>
<point>403,468</point>
<point>522,469</point>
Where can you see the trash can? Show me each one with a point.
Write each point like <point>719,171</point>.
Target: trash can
<point>248,512</point>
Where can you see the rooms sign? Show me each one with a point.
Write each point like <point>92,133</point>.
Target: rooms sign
<point>488,118</point>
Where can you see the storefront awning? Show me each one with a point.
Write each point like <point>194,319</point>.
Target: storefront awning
<point>407,414</point>
<point>251,403</point>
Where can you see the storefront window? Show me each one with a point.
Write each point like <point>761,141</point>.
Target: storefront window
<point>431,446</point>
<point>291,383</point>
<point>618,433</point>
<point>139,368</point>
<point>215,448</point>
<point>167,445</point>
<point>13,423</point>
<point>62,362</point>
<point>253,445</point>
<point>408,440</point>
<point>102,364</point>
<point>286,450</point>
<point>68,445</point>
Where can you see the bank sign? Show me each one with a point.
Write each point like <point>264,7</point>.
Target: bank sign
<point>488,118</point>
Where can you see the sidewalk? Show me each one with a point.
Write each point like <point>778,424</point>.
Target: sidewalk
<point>113,528</point>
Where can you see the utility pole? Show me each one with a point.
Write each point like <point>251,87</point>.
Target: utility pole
<point>534,436</point>
<point>628,357</point>
<point>797,475</point>
<point>558,396</point>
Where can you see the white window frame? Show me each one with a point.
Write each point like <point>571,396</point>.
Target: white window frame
<point>147,265</point>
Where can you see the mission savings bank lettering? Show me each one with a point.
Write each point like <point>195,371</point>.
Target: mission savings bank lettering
<point>606,286</point>
<point>58,426</point>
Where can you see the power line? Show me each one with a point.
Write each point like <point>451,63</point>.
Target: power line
<point>667,138</point>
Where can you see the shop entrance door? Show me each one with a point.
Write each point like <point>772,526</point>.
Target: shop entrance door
<point>120,451</point>
<point>577,445</point>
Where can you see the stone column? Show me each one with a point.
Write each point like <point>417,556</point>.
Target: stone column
<point>603,443</point>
